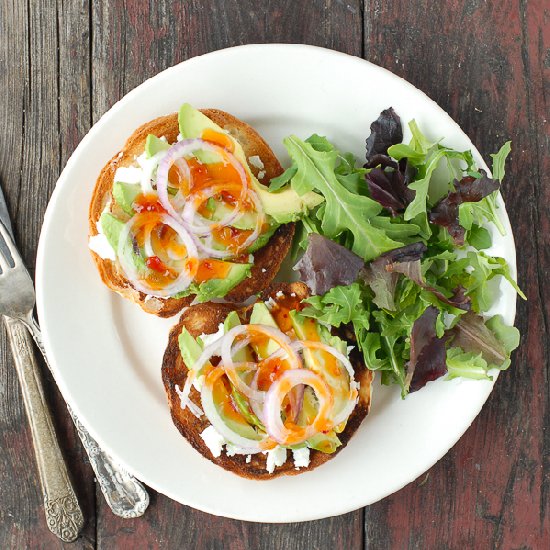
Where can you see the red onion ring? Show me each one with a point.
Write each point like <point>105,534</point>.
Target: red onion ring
<point>351,398</point>
<point>185,401</point>
<point>249,446</point>
<point>177,152</point>
<point>270,332</point>
<point>274,400</point>
<point>187,274</point>
<point>190,211</point>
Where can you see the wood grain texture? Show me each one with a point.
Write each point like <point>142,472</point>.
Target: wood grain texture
<point>41,125</point>
<point>487,66</point>
<point>63,63</point>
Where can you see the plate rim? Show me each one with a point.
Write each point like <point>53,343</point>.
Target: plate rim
<point>62,182</point>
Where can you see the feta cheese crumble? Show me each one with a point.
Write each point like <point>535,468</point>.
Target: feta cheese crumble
<point>256,161</point>
<point>101,246</point>
<point>213,440</point>
<point>301,458</point>
<point>275,457</point>
<point>128,174</point>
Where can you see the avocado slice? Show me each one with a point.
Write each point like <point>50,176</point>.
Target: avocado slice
<point>308,329</point>
<point>125,194</point>
<point>262,316</point>
<point>205,291</point>
<point>111,228</point>
<point>245,410</point>
<point>262,240</point>
<point>154,145</point>
<point>190,348</point>
<point>284,206</point>
<point>218,288</point>
<point>326,443</point>
<point>231,321</point>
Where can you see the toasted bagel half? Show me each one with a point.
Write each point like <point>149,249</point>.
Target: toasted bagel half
<point>205,319</point>
<point>267,259</point>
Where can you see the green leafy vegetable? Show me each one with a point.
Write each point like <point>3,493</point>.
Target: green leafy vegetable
<point>384,210</point>
<point>343,210</point>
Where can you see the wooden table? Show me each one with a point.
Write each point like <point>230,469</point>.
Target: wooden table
<point>64,63</point>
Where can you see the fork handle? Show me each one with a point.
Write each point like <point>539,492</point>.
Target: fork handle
<point>125,495</point>
<point>63,514</point>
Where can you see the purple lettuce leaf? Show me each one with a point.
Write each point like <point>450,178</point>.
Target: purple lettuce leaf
<point>382,274</point>
<point>428,354</point>
<point>388,187</point>
<point>326,264</point>
<point>469,189</point>
<point>385,131</point>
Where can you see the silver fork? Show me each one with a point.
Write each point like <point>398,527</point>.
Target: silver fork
<point>125,495</point>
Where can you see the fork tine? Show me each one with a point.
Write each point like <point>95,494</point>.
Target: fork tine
<point>4,265</point>
<point>7,241</point>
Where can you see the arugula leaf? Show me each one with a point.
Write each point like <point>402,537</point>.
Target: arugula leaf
<point>343,210</point>
<point>340,305</point>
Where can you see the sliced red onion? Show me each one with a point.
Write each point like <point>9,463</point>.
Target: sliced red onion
<point>185,401</point>
<point>197,198</point>
<point>177,153</point>
<point>228,350</point>
<point>251,445</point>
<point>351,398</point>
<point>202,230</point>
<point>257,406</point>
<point>274,400</point>
<point>249,330</point>
<point>207,353</point>
<point>308,344</point>
<point>185,277</point>
<point>296,400</point>
<point>147,244</point>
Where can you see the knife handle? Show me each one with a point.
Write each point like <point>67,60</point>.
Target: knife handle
<point>125,495</point>
<point>63,514</point>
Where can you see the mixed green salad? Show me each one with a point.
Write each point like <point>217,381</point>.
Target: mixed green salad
<point>397,252</point>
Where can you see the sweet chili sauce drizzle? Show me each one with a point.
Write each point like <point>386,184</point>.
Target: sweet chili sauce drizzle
<point>218,138</point>
<point>221,393</point>
<point>282,308</point>
<point>148,203</point>
<point>212,269</point>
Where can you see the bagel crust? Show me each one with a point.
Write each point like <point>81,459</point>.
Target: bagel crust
<point>205,319</point>
<point>267,259</point>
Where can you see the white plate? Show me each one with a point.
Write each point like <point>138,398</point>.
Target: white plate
<point>106,353</point>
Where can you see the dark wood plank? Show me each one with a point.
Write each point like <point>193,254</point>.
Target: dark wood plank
<point>41,52</point>
<point>133,41</point>
<point>486,63</point>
